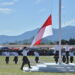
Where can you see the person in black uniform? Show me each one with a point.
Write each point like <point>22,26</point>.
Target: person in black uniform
<point>25,58</point>
<point>16,57</point>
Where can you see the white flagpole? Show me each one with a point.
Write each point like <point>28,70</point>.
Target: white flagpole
<point>60,60</point>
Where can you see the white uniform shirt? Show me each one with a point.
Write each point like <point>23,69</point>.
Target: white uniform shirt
<point>63,53</point>
<point>71,54</point>
<point>6,53</point>
<point>56,48</point>
<point>25,52</point>
<point>15,53</point>
<point>36,54</point>
<point>67,48</point>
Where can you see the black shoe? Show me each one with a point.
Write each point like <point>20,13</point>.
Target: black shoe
<point>56,62</point>
<point>67,63</point>
<point>21,68</point>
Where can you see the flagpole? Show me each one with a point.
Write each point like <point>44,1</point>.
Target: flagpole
<point>60,60</point>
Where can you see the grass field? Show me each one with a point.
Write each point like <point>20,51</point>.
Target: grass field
<point>14,69</point>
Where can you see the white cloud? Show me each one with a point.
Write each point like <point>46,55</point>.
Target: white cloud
<point>69,23</point>
<point>5,10</point>
<point>38,1</point>
<point>7,3</point>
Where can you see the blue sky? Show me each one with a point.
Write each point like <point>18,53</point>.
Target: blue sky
<point>19,16</point>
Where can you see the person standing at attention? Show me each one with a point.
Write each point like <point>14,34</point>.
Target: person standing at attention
<point>56,52</point>
<point>67,48</point>
<point>7,57</point>
<point>63,56</point>
<point>15,57</point>
<point>71,54</point>
<point>36,56</point>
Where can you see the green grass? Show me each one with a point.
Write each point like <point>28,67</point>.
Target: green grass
<point>13,69</point>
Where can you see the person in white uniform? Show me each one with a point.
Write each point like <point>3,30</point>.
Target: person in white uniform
<point>7,54</point>
<point>71,54</point>
<point>36,56</point>
<point>56,52</point>
<point>63,56</point>
<point>25,58</point>
<point>15,57</point>
<point>67,48</point>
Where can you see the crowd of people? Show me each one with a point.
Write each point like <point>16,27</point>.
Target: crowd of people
<point>66,53</point>
<point>25,59</point>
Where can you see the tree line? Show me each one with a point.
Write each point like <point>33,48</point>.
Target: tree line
<point>26,42</point>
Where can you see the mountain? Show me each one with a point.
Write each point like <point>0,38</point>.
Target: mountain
<point>67,33</point>
<point>24,36</point>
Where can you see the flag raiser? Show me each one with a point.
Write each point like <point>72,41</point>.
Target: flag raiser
<point>45,30</point>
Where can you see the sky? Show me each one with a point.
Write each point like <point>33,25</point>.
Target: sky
<point>19,16</point>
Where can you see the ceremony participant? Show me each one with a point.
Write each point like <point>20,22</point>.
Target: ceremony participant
<point>7,54</point>
<point>67,48</point>
<point>16,57</point>
<point>36,56</point>
<point>25,58</point>
<point>63,56</point>
<point>71,54</point>
<point>56,52</point>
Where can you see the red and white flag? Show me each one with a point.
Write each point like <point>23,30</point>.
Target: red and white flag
<point>45,30</point>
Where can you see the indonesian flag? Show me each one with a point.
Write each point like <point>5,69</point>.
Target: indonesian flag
<point>45,30</point>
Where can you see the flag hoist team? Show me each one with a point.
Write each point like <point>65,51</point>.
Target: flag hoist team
<point>44,31</point>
